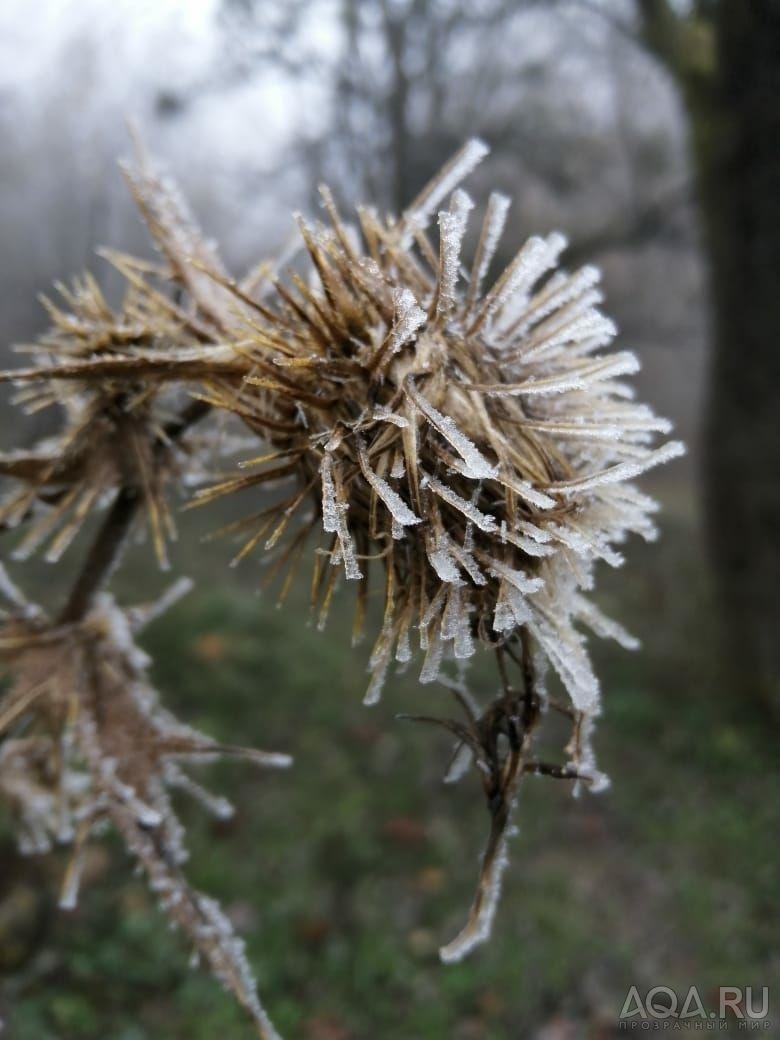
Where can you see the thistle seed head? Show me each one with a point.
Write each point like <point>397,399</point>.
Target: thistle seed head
<point>85,744</point>
<point>468,438</point>
<point>476,445</point>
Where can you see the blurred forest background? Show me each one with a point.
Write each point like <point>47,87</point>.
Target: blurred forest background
<point>649,132</point>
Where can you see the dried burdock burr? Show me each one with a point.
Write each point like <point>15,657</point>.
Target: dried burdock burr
<point>467,439</point>
<point>475,446</point>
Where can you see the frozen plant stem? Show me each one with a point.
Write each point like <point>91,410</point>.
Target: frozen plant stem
<point>102,556</point>
<point>500,741</point>
<point>105,551</point>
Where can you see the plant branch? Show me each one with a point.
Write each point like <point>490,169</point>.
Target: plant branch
<point>106,549</point>
<point>515,716</point>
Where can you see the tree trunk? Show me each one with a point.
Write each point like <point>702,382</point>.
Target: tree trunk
<point>733,100</point>
<point>740,173</point>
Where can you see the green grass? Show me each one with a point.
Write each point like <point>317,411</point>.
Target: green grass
<point>346,872</point>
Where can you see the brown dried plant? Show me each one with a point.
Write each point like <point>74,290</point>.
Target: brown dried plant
<point>474,447</point>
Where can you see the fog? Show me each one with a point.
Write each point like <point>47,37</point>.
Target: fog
<point>250,105</point>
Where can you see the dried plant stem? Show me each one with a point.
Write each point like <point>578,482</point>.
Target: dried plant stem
<point>103,555</point>
<point>106,549</point>
<point>513,716</point>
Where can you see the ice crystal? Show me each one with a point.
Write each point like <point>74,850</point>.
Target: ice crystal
<point>456,170</point>
<point>408,319</point>
<point>399,510</point>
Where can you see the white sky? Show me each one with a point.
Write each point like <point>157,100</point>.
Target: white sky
<point>35,38</point>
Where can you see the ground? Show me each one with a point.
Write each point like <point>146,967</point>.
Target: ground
<point>346,872</point>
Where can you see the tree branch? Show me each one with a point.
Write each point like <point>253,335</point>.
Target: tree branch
<point>642,227</point>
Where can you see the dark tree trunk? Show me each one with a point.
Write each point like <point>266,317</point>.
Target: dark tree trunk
<point>740,167</point>
<point>733,99</point>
